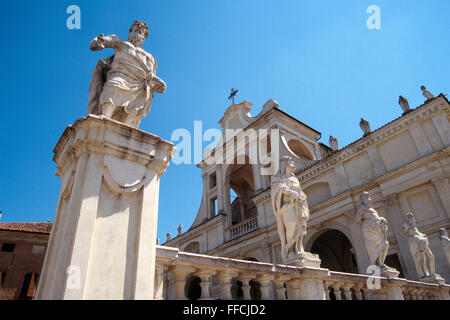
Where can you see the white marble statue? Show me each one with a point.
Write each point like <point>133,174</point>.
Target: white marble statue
<point>122,85</point>
<point>403,102</point>
<point>374,229</point>
<point>365,126</point>
<point>419,247</point>
<point>445,243</point>
<point>333,143</point>
<point>427,94</point>
<point>290,208</point>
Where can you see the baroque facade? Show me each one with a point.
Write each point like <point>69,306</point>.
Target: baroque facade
<point>404,165</point>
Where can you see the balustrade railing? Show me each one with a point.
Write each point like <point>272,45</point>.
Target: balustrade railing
<point>243,227</point>
<point>218,275</point>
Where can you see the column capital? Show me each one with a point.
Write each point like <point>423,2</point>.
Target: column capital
<point>205,273</point>
<point>181,270</point>
<point>227,274</point>
<point>246,277</point>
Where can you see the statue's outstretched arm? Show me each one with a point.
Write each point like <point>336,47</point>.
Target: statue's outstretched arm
<point>101,42</point>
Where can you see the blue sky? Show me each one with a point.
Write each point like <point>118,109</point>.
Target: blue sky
<point>316,58</point>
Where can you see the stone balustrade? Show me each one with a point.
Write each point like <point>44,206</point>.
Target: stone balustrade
<point>243,227</point>
<point>174,268</point>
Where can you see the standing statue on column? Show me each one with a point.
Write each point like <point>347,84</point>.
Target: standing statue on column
<point>445,243</point>
<point>420,250</point>
<point>122,85</point>
<point>374,229</point>
<point>290,208</point>
<point>419,247</point>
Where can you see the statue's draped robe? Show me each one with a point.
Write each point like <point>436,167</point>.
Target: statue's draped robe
<point>292,217</point>
<point>418,242</point>
<point>372,230</point>
<point>97,82</point>
<point>128,83</point>
<point>445,244</point>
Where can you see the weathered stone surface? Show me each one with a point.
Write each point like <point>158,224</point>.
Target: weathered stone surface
<point>105,222</point>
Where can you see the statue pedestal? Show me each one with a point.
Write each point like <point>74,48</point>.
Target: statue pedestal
<point>433,279</point>
<point>304,259</point>
<point>103,240</point>
<point>389,272</point>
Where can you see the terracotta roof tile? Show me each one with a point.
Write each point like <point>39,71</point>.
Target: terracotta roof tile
<point>36,227</point>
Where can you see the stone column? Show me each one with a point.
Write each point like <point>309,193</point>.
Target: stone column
<point>347,291</point>
<point>245,279</point>
<point>180,272</point>
<point>225,278</point>
<point>279,284</point>
<point>358,293</point>
<point>394,289</point>
<point>265,280</point>
<point>159,281</point>
<point>205,276</point>
<point>309,287</point>
<point>337,290</point>
<point>102,244</point>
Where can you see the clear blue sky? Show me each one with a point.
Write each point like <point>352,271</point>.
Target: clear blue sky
<point>316,58</point>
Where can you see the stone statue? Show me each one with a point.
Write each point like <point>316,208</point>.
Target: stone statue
<point>168,235</point>
<point>290,208</point>
<point>403,102</point>
<point>333,143</point>
<point>180,229</point>
<point>445,243</point>
<point>427,94</point>
<point>374,229</point>
<point>365,126</point>
<point>419,247</point>
<point>122,85</point>
<point>157,241</point>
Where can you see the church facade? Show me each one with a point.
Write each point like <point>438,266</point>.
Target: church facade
<point>404,165</point>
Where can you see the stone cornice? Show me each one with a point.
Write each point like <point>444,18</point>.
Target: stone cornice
<point>99,134</point>
<point>375,137</point>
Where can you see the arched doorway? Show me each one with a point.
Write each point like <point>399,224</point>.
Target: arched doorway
<point>192,289</point>
<point>335,251</point>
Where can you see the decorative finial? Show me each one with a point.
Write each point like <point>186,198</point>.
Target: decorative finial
<point>427,94</point>
<point>333,143</point>
<point>180,229</point>
<point>365,126</point>
<point>403,102</point>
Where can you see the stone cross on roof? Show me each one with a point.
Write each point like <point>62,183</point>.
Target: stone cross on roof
<point>232,94</point>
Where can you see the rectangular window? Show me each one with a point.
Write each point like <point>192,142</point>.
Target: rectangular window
<point>212,180</point>
<point>2,278</point>
<point>8,247</point>
<point>213,207</point>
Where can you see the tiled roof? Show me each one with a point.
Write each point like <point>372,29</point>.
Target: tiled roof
<point>35,227</point>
